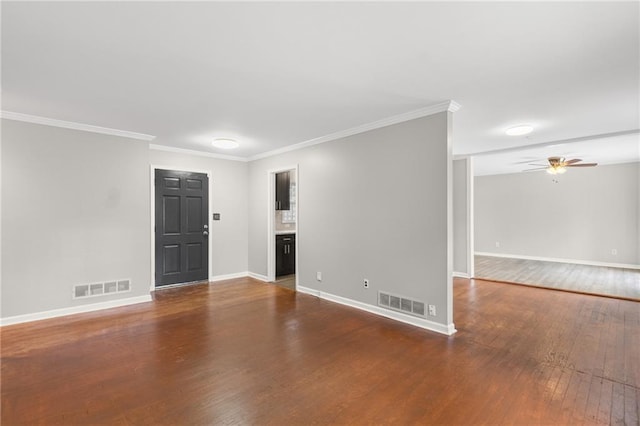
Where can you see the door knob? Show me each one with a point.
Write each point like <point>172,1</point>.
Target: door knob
<point>205,233</point>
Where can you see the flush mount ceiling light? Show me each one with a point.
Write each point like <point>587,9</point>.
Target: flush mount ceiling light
<point>523,129</point>
<point>225,143</point>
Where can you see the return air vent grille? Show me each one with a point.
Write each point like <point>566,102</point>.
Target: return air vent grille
<point>82,291</point>
<point>401,304</point>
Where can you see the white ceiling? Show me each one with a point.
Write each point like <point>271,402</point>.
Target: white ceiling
<point>276,74</point>
<point>623,148</point>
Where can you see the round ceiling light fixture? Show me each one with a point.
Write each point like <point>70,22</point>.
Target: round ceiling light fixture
<point>520,130</point>
<point>225,143</point>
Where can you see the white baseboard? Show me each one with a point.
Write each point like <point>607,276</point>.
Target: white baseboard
<point>461,275</point>
<point>74,310</point>
<point>259,276</point>
<point>407,319</point>
<point>553,259</point>
<point>215,278</point>
<point>310,291</point>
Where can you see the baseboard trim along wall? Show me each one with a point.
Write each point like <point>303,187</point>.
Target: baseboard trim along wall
<point>426,324</point>
<point>460,275</point>
<point>74,310</point>
<point>259,277</point>
<point>553,259</point>
<point>216,278</point>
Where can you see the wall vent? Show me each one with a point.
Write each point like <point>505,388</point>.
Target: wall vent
<point>81,291</point>
<point>402,304</point>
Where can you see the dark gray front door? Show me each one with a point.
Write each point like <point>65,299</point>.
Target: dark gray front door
<point>182,232</point>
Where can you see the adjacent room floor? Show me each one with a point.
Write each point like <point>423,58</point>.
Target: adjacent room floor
<point>286,281</point>
<point>246,352</point>
<point>599,280</point>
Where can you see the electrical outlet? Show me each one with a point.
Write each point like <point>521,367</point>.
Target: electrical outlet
<point>432,310</point>
<point>319,276</point>
<point>614,252</point>
<point>366,283</point>
<point>497,243</point>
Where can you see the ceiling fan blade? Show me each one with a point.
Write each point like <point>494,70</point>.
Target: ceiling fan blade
<point>582,165</point>
<point>572,161</point>
<point>539,165</point>
<point>533,170</point>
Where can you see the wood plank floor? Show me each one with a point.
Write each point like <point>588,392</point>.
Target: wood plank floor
<point>286,281</point>
<point>598,280</point>
<point>245,352</point>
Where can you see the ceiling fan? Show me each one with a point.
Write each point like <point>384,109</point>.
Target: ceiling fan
<point>558,165</point>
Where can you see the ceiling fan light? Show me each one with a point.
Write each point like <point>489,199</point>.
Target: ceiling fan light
<point>556,170</point>
<point>523,129</point>
<point>225,143</point>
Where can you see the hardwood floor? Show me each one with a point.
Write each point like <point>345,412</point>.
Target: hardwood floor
<point>244,352</point>
<point>286,281</point>
<point>598,280</point>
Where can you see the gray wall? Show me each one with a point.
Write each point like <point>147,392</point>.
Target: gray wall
<point>228,189</point>
<point>462,187</point>
<point>589,212</point>
<point>75,210</point>
<point>372,205</point>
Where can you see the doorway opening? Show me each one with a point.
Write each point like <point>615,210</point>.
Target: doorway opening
<point>282,253</point>
<point>534,231</point>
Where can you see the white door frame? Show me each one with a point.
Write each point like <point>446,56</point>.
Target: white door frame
<point>152,185</point>
<point>271,215</point>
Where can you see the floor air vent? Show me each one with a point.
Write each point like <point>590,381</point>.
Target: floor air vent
<point>81,291</point>
<point>401,304</point>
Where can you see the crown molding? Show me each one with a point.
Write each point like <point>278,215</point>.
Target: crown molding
<point>75,126</point>
<point>194,152</point>
<point>453,106</point>
<point>449,106</point>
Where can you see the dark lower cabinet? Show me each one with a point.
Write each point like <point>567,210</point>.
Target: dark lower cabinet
<point>285,254</point>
